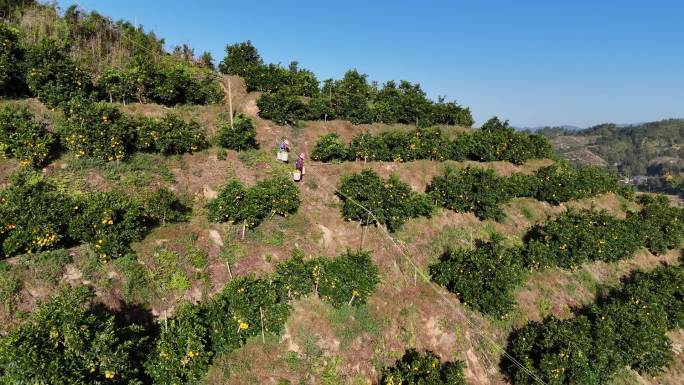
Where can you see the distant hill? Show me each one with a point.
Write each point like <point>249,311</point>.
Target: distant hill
<point>652,149</point>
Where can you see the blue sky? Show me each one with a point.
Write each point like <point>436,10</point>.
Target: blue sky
<point>535,63</point>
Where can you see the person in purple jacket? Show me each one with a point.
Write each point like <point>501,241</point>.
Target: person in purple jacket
<point>299,165</point>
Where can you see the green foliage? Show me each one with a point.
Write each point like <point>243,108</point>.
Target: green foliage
<point>423,369</point>
<point>281,108</point>
<point>241,60</point>
<point>182,352</point>
<point>240,137</point>
<point>329,147</point>
<point>348,279</point>
<point>163,206</point>
<point>479,277</point>
<point>252,205</point>
<point>34,215</point>
<point>235,314</point>
<point>170,135</point>
<point>576,237</point>
<point>625,329</point>
<point>110,221</point>
<point>483,278</point>
<point>97,130</point>
<point>560,183</point>
<point>23,137</point>
<point>117,85</point>
<point>12,78</point>
<point>659,225</point>
<point>68,342</point>
<point>431,143</point>
<point>390,202</point>
<point>471,189</point>
<point>10,286</point>
<point>496,140</point>
<point>482,192</point>
<point>102,131</point>
<point>52,76</point>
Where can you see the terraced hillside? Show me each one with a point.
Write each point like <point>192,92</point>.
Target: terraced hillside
<point>157,244</point>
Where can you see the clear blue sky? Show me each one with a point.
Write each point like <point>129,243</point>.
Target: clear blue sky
<point>535,63</point>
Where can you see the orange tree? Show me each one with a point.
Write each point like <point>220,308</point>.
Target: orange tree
<point>12,73</point>
<point>483,278</point>
<point>627,328</point>
<point>52,76</point>
<point>242,136</point>
<point>34,215</point>
<point>67,341</point>
<point>24,138</point>
<point>170,135</point>
<point>369,199</point>
<point>424,369</point>
<point>236,203</point>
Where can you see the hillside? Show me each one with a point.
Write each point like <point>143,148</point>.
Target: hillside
<point>649,149</point>
<point>151,237</point>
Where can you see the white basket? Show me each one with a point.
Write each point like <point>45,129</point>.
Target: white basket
<point>297,176</point>
<point>283,156</point>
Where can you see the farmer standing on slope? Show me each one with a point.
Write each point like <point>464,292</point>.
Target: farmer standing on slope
<point>299,165</point>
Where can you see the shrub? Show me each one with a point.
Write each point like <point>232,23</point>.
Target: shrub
<point>659,225</point>
<point>329,147</point>
<point>170,135</point>
<point>574,238</point>
<point>431,143</point>
<point>170,82</point>
<point>235,203</point>
<point>348,279</point>
<point>163,206</point>
<point>24,138</point>
<point>68,342</point>
<point>471,189</point>
<point>34,215</point>
<point>110,221</point>
<point>560,183</point>
<point>241,60</point>
<point>10,286</point>
<point>423,368</point>
<point>390,202</point>
<point>96,130</point>
<point>234,315</point>
<point>117,85</point>
<point>52,76</point>
<point>240,137</point>
<point>625,329</point>
<point>281,108</point>
<point>182,352</point>
<point>12,78</point>
<point>483,278</point>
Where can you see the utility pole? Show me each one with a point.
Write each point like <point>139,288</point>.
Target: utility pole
<point>230,102</point>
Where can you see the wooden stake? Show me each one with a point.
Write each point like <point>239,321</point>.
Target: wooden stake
<point>351,300</point>
<point>166,321</point>
<point>263,337</point>
<point>363,235</point>
<point>230,102</point>
<point>230,273</point>
<point>244,228</point>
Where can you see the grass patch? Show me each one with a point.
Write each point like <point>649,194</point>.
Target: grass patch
<point>352,321</point>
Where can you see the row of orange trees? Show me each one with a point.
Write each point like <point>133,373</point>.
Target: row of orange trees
<point>484,278</point>
<point>368,198</point>
<point>68,341</point>
<point>291,94</point>
<point>103,131</point>
<point>37,215</point>
<point>626,328</point>
<point>495,140</point>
